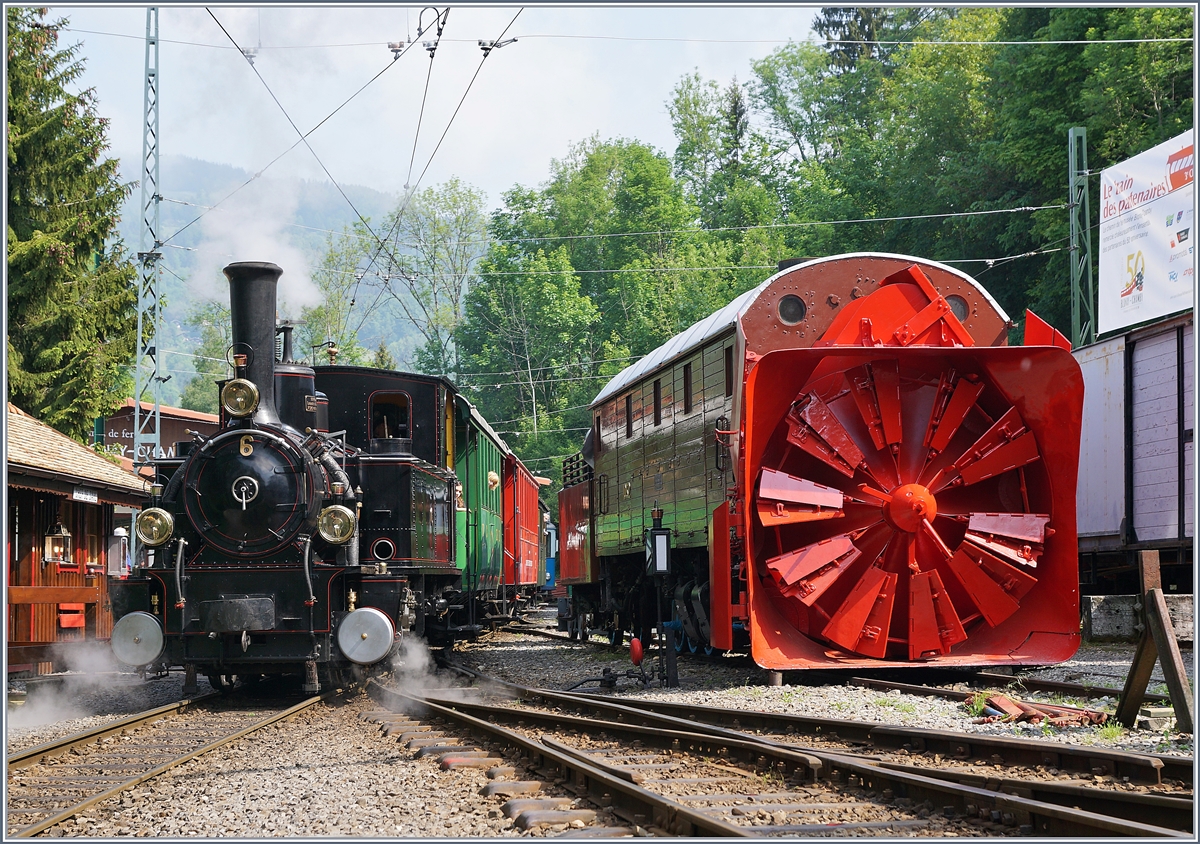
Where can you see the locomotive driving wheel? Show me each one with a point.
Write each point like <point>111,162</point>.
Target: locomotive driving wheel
<point>901,506</point>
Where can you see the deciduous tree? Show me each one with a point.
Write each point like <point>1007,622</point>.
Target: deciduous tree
<point>435,238</point>
<point>212,318</point>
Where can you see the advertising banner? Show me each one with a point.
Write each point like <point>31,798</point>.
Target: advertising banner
<point>1147,236</point>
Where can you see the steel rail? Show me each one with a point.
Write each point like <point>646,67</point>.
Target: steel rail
<point>1151,809</point>
<point>601,786</point>
<point>1156,809</point>
<point>1033,684</point>
<point>65,814</point>
<point>744,750</point>
<point>1045,818</point>
<point>1139,767</point>
<point>34,755</point>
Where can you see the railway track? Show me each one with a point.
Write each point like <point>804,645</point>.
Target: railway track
<point>676,776</point>
<point>52,782</point>
<point>983,679</point>
<point>1097,764</point>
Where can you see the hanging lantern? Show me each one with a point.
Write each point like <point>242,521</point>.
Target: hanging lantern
<point>57,548</point>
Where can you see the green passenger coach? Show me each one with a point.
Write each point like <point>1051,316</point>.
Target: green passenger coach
<point>479,507</point>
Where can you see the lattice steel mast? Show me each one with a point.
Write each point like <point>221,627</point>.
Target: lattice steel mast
<point>146,443</point>
<point>1083,293</point>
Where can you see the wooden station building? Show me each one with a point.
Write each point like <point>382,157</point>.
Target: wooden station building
<point>61,541</point>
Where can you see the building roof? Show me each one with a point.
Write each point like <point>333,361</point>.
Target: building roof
<point>34,448</point>
<point>175,412</point>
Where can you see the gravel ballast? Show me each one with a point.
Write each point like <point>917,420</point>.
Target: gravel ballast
<point>735,682</point>
<point>330,773</point>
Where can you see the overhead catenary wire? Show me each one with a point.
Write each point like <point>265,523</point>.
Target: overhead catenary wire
<point>411,191</point>
<point>555,366</point>
<point>662,232</point>
<point>542,433</point>
<point>303,137</point>
<point>421,114</point>
<point>635,38</point>
<point>292,123</point>
<point>526,382</point>
<point>304,140</point>
<point>989,261</point>
<point>551,457</point>
<point>698,230</point>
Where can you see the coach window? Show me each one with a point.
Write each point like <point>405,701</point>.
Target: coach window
<point>389,415</point>
<point>597,443</point>
<point>687,388</point>
<point>657,401</point>
<point>629,416</point>
<point>728,371</point>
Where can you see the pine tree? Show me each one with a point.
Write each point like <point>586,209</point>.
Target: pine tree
<point>71,291</point>
<point>383,357</point>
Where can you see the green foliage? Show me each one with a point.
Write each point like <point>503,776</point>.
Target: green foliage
<point>212,318</point>
<point>436,238</point>
<point>975,704</point>
<point>529,331</point>
<point>383,358</point>
<point>1110,731</point>
<point>335,320</point>
<point>924,129</point>
<point>71,291</point>
<point>1139,95</point>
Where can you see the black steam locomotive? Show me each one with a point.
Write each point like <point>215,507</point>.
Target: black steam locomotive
<point>278,546</point>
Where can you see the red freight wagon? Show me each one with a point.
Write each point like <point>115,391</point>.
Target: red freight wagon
<point>522,523</point>
<point>576,554</point>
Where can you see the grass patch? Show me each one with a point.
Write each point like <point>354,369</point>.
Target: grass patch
<point>1110,731</point>
<point>976,703</point>
<point>1059,699</point>
<point>905,706</point>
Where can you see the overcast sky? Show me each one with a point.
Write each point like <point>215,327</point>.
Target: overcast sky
<point>573,72</point>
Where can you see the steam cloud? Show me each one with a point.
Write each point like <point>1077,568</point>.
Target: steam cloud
<point>90,666</point>
<point>252,226</point>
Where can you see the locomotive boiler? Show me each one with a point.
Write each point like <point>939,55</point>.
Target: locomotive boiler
<point>326,520</point>
<point>855,471</point>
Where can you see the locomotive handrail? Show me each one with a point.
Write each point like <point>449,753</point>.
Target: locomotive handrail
<point>179,578</point>
<point>312,598</point>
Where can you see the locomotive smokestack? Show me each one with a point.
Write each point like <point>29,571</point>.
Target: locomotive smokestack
<point>252,311</point>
